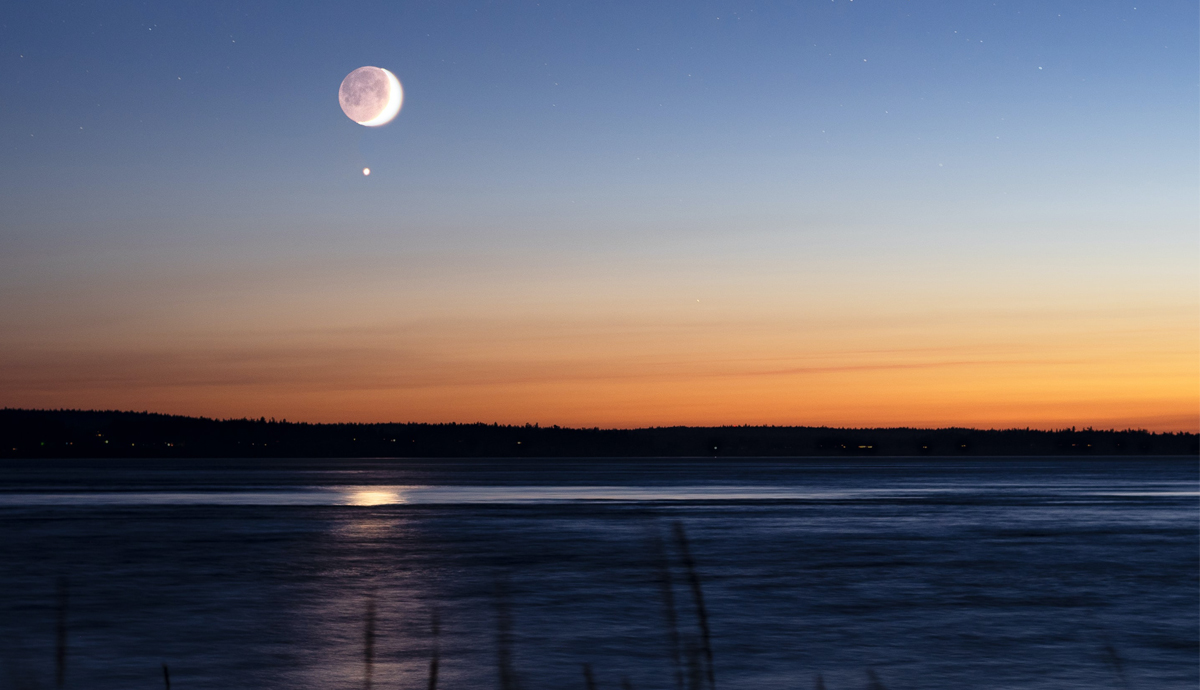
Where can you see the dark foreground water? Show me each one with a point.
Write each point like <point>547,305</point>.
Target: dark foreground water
<point>1000,573</point>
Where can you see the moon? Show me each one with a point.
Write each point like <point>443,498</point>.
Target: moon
<point>371,96</point>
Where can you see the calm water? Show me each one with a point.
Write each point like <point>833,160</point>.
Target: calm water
<point>1042,573</point>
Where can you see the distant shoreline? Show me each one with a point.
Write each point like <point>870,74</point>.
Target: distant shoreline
<point>116,434</point>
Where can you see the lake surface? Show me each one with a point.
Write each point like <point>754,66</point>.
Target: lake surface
<point>981,573</point>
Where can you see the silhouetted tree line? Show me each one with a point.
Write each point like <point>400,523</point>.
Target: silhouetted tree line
<point>78,433</point>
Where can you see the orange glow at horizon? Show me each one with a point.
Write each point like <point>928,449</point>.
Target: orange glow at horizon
<point>642,374</point>
<point>862,345</point>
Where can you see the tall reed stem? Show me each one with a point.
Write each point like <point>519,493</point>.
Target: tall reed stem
<point>698,597</point>
<point>60,646</point>
<point>369,644</point>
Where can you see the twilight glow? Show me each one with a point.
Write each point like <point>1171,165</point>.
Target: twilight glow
<point>861,214</point>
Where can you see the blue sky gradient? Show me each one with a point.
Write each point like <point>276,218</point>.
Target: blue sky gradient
<point>169,167</point>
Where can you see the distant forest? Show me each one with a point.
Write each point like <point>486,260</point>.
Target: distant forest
<point>83,434</point>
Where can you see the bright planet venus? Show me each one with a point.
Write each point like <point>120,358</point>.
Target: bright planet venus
<point>371,96</point>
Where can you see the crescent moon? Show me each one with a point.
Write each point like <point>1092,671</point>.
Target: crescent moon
<point>395,100</point>
<point>371,96</point>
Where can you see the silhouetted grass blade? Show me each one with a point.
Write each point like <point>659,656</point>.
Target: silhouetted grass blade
<point>698,596</point>
<point>695,673</point>
<point>435,657</point>
<point>666,589</point>
<point>1114,660</point>
<point>369,644</point>
<point>60,646</point>
<point>508,677</point>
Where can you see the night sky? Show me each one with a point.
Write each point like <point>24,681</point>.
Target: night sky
<point>606,214</point>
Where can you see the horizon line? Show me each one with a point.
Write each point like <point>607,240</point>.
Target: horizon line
<point>537,425</point>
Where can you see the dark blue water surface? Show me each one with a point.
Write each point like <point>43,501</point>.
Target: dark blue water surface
<point>982,573</point>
